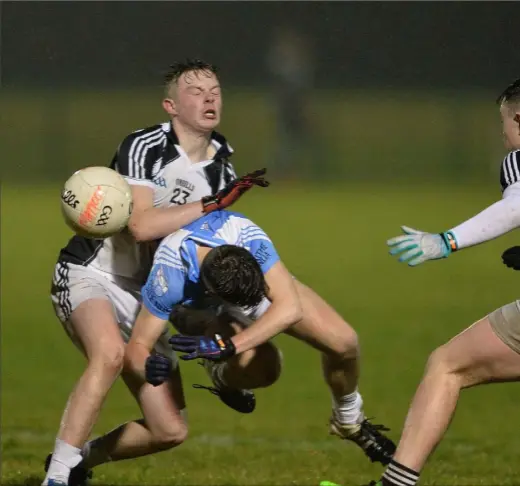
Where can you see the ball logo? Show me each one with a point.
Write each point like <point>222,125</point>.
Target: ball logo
<point>91,208</point>
<point>104,216</point>
<point>68,197</point>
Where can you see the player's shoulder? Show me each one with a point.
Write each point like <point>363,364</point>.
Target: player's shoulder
<point>153,131</point>
<point>234,217</point>
<point>174,240</point>
<point>168,252</point>
<point>238,224</point>
<point>224,147</point>
<point>510,169</point>
<point>216,220</point>
<point>139,151</point>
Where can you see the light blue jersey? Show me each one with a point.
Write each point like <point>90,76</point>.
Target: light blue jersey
<point>174,277</point>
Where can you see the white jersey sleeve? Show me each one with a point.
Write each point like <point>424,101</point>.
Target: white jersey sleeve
<point>510,170</point>
<point>499,218</point>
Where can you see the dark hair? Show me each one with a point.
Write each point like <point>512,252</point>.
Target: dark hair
<point>511,94</point>
<point>177,69</point>
<point>232,273</point>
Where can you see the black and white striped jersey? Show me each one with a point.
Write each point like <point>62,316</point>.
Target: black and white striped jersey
<point>510,170</point>
<point>152,157</point>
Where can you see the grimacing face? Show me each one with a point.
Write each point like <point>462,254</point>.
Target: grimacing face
<point>510,115</point>
<point>195,101</point>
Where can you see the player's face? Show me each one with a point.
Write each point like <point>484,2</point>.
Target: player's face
<point>510,126</point>
<point>198,102</point>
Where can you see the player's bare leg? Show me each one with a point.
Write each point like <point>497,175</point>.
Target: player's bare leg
<point>474,357</point>
<point>96,333</point>
<point>325,330</point>
<point>163,426</point>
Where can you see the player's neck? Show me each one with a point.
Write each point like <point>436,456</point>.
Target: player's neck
<point>197,145</point>
<point>202,251</point>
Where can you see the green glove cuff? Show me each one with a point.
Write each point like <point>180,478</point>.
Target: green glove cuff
<point>450,241</point>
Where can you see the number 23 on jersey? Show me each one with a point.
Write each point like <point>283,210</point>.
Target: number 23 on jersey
<point>180,196</point>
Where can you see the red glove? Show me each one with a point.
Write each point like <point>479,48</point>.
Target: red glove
<point>232,192</point>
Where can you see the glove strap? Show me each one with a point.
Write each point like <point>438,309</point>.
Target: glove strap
<point>209,204</point>
<point>450,240</point>
<point>226,345</point>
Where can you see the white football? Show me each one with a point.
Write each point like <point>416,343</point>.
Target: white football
<point>96,202</point>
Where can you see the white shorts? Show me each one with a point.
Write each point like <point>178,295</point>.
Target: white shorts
<point>74,284</point>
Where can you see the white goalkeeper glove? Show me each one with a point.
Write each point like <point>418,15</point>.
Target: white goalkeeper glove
<point>416,247</point>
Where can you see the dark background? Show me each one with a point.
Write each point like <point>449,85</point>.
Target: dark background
<point>401,90</point>
<point>425,45</point>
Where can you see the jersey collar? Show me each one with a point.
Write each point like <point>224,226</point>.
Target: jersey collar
<point>224,150</point>
<point>188,252</point>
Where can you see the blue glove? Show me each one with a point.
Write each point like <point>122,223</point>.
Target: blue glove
<point>214,348</point>
<point>416,247</point>
<point>158,369</point>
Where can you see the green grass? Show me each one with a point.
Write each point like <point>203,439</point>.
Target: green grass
<point>332,239</point>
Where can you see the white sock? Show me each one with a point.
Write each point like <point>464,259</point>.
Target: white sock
<point>64,458</point>
<point>348,409</point>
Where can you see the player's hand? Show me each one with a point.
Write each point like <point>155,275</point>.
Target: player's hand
<point>158,369</point>
<point>416,247</point>
<point>233,191</point>
<point>511,257</point>
<point>214,348</point>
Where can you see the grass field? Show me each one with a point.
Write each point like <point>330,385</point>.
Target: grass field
<point>401,314</point>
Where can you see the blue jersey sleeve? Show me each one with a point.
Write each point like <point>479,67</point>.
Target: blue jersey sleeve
<point>163,289</point>
<point>262,248</point>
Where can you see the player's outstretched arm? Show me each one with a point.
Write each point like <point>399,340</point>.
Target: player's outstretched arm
<point>416,247</point>
<point>284,311</point>
<point>163,289</point>
<point>150,223</point>
<point>147,330</point>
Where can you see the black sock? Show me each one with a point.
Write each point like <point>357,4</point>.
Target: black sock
<point>398,475</point>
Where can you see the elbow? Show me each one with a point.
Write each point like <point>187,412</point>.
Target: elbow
<point>294,313</point>
<point>139,230</point>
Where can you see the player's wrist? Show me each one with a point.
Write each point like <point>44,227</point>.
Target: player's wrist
<point>450,241</point>
<point>226,346</point>
<point>209,203</point>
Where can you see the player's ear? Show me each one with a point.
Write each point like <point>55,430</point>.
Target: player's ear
<point>169,106</point>
<point>516,118</point>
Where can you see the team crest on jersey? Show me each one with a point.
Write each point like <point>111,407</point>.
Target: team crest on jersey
<point>160,181</point>
<point>157,171</point>
<point>160,285</point>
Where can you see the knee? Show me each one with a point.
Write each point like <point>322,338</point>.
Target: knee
<point>109,359</point>
<point>170,436</point>
<point>441,362</point>
<point>345,345</point>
